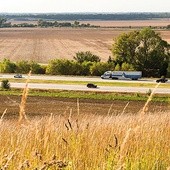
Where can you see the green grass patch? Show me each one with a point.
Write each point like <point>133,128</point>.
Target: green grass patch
<point>88,95</point>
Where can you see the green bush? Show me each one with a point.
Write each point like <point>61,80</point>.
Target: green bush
<point>6,66</point>
<point>5,84</point>
<point>86,56</point>
<point>62,67</point>
<point>23,67</point>
<point>37,68</point>
<point>97,69</point>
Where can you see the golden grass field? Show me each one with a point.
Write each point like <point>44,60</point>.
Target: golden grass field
<point>76,141</point>
<point>44,44</point>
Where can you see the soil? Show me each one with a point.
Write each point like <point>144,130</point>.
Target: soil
<point>44,44</point>
<point>44,106</point>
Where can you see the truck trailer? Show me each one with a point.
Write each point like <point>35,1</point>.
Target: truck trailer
<point>117,75</point>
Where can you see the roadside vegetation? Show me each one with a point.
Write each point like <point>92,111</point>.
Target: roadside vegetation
<point>90,95</point>
<point>5,85</point>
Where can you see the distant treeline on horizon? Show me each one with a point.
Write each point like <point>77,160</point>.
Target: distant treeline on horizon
<point>84,16</point>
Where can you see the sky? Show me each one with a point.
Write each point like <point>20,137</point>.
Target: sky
<point>71,6</point>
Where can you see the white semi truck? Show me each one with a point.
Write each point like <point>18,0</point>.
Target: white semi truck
<point>116,75</point>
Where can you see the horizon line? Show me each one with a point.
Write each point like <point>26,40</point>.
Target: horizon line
<point>78,12</point>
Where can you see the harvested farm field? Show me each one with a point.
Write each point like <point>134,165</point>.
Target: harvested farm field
<point>130,23</point>
<point>44,44</point>
<point>44,106</point>
<point>114,23</point>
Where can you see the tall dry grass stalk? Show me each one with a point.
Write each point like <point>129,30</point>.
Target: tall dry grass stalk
<point>124,109</point>
<point>124,150</point>
<point>3,114</point>
<point>110,108</point>
<point>137,126</point>
<point>145,108</point>
<point>22,114</point>
<point>78,106</point>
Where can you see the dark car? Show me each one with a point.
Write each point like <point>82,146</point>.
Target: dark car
<point>162,80</point>
<point>18,76</point>
<point>91,85</point>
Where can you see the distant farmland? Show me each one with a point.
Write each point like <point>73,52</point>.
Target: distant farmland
<point>43,44</point>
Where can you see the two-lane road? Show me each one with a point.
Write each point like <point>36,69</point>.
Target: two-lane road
<point>77,78</point>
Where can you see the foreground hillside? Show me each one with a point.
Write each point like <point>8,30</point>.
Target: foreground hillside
<point>81,142</point>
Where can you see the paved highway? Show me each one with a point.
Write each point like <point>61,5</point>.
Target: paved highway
<point>77,78</point>
<point>84,88</point>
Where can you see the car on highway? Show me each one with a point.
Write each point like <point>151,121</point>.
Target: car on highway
<point>18,76</point>
<point>162,80</point>
<point>91,85</point>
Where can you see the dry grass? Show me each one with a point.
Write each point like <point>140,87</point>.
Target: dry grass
<point>132,23</point>
<point>43,44</point>
<point>87,142</point>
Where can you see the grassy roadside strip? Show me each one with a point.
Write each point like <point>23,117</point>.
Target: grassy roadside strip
<point>88,95</point>
<point>114,83</point>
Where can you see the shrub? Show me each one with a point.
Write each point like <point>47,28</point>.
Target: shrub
<point>86,56</point>
<point>23,67</point>
<point>37,68</point>
<point>5,84</point>
<point>99,68</point>
<point>61,67</point>
<point>6,66</point>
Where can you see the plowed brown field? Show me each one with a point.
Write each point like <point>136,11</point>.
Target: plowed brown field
<point>44,106</point>
<point>44,44</point>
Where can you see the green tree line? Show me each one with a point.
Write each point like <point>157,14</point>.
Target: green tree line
<point>88,16</point>
<point>44,23</point>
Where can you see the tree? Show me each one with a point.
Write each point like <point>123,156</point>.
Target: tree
<point>62,67</point>
<point>117,67</point>
<point>36,68</point>
<point>76,23</point>
<point>98,68</point>
<point>144,50</point>
<point>2,22</point>
<point>110,60</point>
<point>126,67</point>
<point>125,46</point>
<point>23,67</point>
<point>6,66</point>
<point>86,68</point>
<point>86,56</point>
